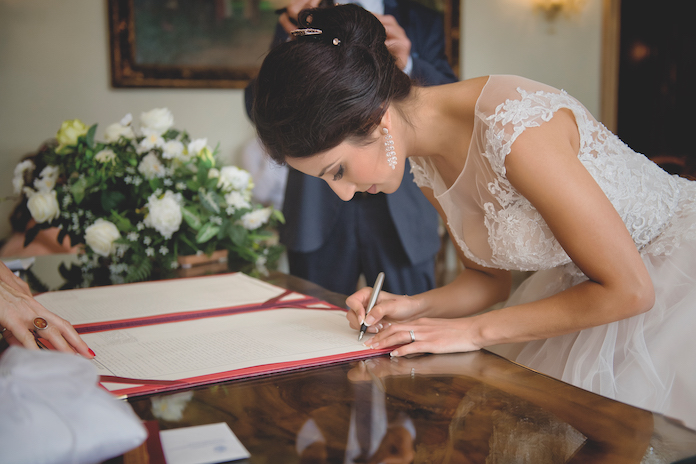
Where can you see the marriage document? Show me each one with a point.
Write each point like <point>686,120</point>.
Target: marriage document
<point>165,335</point>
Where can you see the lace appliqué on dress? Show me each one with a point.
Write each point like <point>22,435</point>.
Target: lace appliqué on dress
<point>421,176</point>
<point>646,198</point>
<point>644,195</point>
<point>518,236</point>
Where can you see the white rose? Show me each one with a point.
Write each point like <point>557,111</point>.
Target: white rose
<point>43,206</point>
<point>195,146</point>
<point>255,219</point>
<point>115,131</point>
<point>233,178</point>
<point>23,166</point>
<point>51,172</point>
<point>127,119</point>
<point>18,179</point>
<point>213,173</point>
<point>47,179</point>
<point>100,237</point>
<point>236,200</point>
<point>172,149</point>
<point>149,142</point>
<point>105,156</point>
<point>150,166</point>
<point>17,184</point>
<point>44,185</point>
<point>184,157</point>
<point>164,214</point>
<point>157,121</point>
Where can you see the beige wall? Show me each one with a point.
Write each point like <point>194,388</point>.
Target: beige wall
<point>54,65</point>
<point>510,37</point>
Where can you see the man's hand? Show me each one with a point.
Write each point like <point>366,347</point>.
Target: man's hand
<point>398,44</point>
<point>289,18</point>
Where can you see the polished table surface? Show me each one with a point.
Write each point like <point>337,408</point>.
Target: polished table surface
<point>454,408</point>
<point>464,408</point>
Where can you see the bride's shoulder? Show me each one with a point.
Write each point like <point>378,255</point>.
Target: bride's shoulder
<point>458,98</point>
<point>468,89</point>
<point>507,89</point>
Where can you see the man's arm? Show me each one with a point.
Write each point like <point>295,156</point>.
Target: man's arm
<point>426,30</point>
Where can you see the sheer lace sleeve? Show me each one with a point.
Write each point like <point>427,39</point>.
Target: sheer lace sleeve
<point>511,104</point>
<point>497,227</point>
<point>423,173</point>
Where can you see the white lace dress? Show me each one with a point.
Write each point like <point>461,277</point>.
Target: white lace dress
<point>646,360</point>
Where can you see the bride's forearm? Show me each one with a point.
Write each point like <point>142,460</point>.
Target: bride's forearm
<point>588,304</point>
<point>470,292</point>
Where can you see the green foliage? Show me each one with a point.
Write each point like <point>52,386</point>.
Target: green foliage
<point>77,188</point>
<point>162,196</point>
<point>210,201</point>
<point>140,270</point>
<point>89,138</point>
<point>191,217</point>
<point>207,232</point>
<point>111,199</point>
<point>122,223</point>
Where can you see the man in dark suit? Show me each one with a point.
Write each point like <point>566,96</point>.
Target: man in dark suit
<point>331,242</point>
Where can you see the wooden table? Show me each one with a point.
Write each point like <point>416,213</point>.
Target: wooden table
<point>464,408</point>
<point>456,408</point>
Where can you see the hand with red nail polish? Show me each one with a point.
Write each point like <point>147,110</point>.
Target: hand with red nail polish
<point>23,319</point>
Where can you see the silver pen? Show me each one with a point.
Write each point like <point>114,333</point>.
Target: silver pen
<point>373,299</point>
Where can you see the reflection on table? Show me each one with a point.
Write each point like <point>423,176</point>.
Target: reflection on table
<point>455,408</point>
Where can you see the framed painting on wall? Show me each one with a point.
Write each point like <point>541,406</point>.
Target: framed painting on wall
<point>189,43</point>
<point>208,43</point>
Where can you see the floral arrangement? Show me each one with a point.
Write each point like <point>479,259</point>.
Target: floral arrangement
<point>143,197</point>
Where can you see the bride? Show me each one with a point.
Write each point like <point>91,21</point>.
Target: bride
<point>525,179</point>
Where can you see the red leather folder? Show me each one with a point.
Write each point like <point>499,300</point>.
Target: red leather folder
<point>284,299</point>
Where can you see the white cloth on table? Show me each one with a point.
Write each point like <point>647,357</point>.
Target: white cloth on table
<point>52,411</point>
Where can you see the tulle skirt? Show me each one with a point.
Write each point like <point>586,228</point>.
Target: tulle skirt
<point>646,360</point>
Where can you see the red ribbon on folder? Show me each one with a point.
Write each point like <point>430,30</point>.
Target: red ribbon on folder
<point>274,303</point>
<point>140,387</point>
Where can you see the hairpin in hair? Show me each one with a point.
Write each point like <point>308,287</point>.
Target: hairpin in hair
<point>303,32</point>
<point>310,31</point>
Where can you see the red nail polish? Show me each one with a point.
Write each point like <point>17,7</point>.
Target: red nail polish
<point>91,352</point>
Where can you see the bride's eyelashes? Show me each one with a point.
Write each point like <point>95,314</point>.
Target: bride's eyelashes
<point>339,173</point>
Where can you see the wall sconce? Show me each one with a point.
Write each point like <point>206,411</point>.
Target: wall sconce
<point>551,9</point>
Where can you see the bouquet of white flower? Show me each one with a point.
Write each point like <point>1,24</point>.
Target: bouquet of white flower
<point>143,197</point>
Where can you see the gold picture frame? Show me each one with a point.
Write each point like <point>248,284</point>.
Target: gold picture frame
<point>206,44</point>
<point>188,43</point>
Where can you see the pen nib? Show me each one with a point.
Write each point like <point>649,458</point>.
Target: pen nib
<point>360,336</point>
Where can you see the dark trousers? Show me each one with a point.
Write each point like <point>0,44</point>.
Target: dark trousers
<point>365,241</point>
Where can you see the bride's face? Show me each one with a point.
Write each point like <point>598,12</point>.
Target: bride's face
<point>350,168</point>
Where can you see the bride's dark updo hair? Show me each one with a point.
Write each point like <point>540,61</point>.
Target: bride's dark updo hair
<point>311,94</point>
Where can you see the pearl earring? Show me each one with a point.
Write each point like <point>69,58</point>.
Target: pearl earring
<point>389,144</point>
